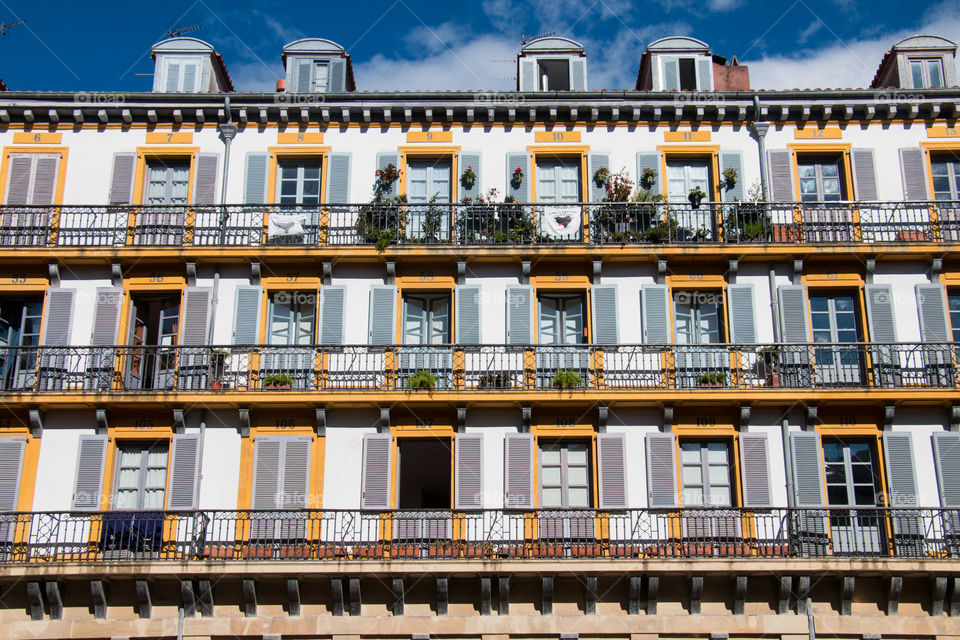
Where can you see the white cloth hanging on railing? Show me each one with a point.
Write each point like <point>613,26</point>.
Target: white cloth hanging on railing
<point>560,222</point>
<point>282,225</point>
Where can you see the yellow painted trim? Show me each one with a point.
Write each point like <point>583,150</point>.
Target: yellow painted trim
<point>438,151</point>
<point>300,137</point>
<point>826,148</point>
<point>940,145</point>
<point>686,136</point>
<point>431,152</point>
<point>61,170</point>
<point>317,453</point>
<point>943,131</point>
<point>145,154</point>
<point>414,137</point>
<point>689,149</point>
<point>37,138</point>
<point>822,280</point>
<point>20,283</point>
<point>278,154</point>
<point>172,137</point>
<point>562,151</point>
<point>556,136</point>
<point>706,281</point>
<point>817,133</point>
<point>153,434</point>
<point>672,151</point>
<point>174,286</point>
<point>291,281</point>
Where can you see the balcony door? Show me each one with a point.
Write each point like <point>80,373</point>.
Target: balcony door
<point>833,318</point>
<point>565,483</point>
<point>823,180</point>
<point>429,182</point>
<point>683,176</point>
<point>852,482</point>
<point>561,331</point>
<point>293,320</point>
<point>134,528</point>
<point>707,482</point>
<point>153,337</point>
<point>32,182</point>
<point>423,489</point>
<point>20,322</point>
<point>298,190</point>
<point>558,183</point>
<point>167,189</point>
<point>698,322</point>
<point>426,321</point>
<point>945,171</point>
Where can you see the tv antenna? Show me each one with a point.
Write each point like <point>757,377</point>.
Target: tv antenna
<point>4,26</point>
<point>174,33</point>
<point>523,38</point>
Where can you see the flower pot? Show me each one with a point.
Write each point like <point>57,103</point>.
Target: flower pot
<point>441,550</point>
<point>695,200</point>
<point>785,233</point>
<point>369,551</point>
<point>547,551</point>
<point>914,235</point>
<point>625,550</point>
<point>772,380</point>
<point>478,550</point>
<point>277,387</point>
<point>586,551</point>
<point>405,551</point>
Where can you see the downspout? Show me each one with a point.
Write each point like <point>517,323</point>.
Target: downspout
<point>760,130</point>
<point>227,130</point>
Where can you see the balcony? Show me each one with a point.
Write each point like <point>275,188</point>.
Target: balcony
<point>481,369</point>
<point>510,224</point>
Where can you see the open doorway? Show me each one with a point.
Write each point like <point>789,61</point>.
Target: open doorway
<point>154,332</point>
<point>423,485</point>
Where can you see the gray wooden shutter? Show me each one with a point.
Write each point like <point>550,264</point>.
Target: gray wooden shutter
<point>901,473</point>
<point>743,324</point>
<point>880,313</point>
<point>522,160</point>
<point>246,315</point>
<point>864,174</point>
<point>781,176</point>
<point>467,320</point>
<point>793,313</point>
<point>704,74</point>
<point>597,161</point>
<point>468,461</point>
<point>267,459</point>
<point>190,78</point>
<point>649,161</point>
<point>337,76</point>
<point>44,180</point>
<point>946,458</point>
<point>332,314</point>
<point>106,315</point>
<point>383,314</point>
<point>196,311</point>
<point>655,312</point>
<point>58,316</point>
<point>255,178</point>
<point>661,470</point>
<point>671,73</point>
<point>88,485</point>
<point>578,74</point>
<point>755,470</point>
<point>304,76</point>
<point>173,77</point>
<point>528,75</point>
<point>932,307</point>
<point>11,469</point>
<point>912,165</point>
<point>385,159</point>
<point>375,474</point>
<point>732,160</point>
<point>184,472</point>
<point>296,472</point>
<point>603,300</point>
<point>520,314</point>
<point>518,471</point>
<point>121,183</point>
<point>205,187</point>
<point>472,160</point>
<point>807,469</point>
<point>612,470</point>
<point>18,188</point>
<point>338,178</point>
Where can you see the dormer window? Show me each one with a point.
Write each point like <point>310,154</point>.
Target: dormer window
<point>926,73</point>
<point>553,75</point>
<point>680,74</point>
<point>551,63</point>
<point>182,74</point>
<point>312,76</point>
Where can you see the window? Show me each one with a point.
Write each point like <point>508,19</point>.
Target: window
<point>562,319</point>
<point>679,74</point>
<point>553,75</point>
<point>706,475</point>
<point>852,481</point>
<point>426,319</point>
<point>141,476</point>
<point>33,178</point>
<point>20,321</point>
<point>154,333</point>
<point>183,74</point>
<point>946,177</point>
<point>312,76</point>
<point>833,319</point>
<point>292,317</point>
<point>684,175</point>
<point>558,180</point>
<point>565,475</point>
<point>428,181</point>
<point>953,303</point>
<point>167,182</point>
<point>821,179</point>
<point>299,182</point>
<point>926,73</point>
<point>698,320</point>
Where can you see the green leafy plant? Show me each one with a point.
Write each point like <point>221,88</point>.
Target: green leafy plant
<point>499,380</point>
<point>712,378</point>
<point>468,178</point>
<point>730,177</point>
<point>601,177</point>
<point>696,196</point>
<point>516,178</point>
<point>564,379</point>
<point>379,223</point>
<point>422,379</point>
<point>278,380</point>
<point>648,178</point>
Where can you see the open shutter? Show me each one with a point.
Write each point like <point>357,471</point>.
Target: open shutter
<point>528,75</point>
<point>88,485</point>
<point>205,190</point>
<point>740,306</point>
<point>383,314</point>
<point>655,311</point>
<point>946,458</point>
<point>612,470</point>
<point>332,314</point>
<point>375,475</point>
<point>471,160</point>
<point>880,313</point>
<point>661,470</point>
<point>578,74</point>
<point>338,178</point>
<point>755,470</point>
<point>337,76</point>
<point>106,316</point>
<point>598,161</point>
<point>932,306</point>
<point>781,176</point>
<point>732,160</point>
<point>603,300</point>
<point>267,453</point>
<point>45,180</point>
<point>246,315</point>
<point>58,316</point>
<point>521,161</point>
<point>467,320</point>
<point>121,183</point>
<point>912,165</point>
<point>468,460</point>
<point>704,74</point>
<point>864,174</point>
<point>649,161</point>
<point>255,178</point>
<point>304,73</point>
<point>296,472</point>
<point>184,472</point>
<point>18,187</point>
<point>520,314</point>
<point>671,73</point>
<point>901,473</point>
<point>385,159</point>
<point>518,471</point>
<point>807,469</point>
<point>11,469</point>
<point>793,313</point>
<point>196,311</point>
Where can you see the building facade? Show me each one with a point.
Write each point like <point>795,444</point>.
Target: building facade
<point>676,361</point>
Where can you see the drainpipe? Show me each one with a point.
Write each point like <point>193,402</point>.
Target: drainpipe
<point>180,622</point>
<point>227,130</point>
<point>760,130</point>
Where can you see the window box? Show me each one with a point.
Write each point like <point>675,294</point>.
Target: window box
<point>625,550</point>
<point>912,235</point>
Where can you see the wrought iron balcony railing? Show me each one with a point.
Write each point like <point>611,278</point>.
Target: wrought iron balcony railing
<point>138,536</point>
<point>635,223</point>
<point>478,368</point>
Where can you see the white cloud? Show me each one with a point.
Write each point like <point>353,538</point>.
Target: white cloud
<point>433,39</point>
<point>723,5</point>
<point>811,29</point>
<point>255,76</point>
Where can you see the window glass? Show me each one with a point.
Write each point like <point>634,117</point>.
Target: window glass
<point>686,174</point>
<point>697,317</point>
<point>167,182</point>
<point>565,475</point>
<point>705,475</point>
<point>953,302</point>
<point>292,317</point>
<point>558,180</point>
<point>300,182</point>
<point>321,71</point>
<point>821,179</point>
<point>141,476</point>
<point>945,170</point>
<point>561,319</point>
<point>934,73</point>
<point>426,319</point>
<point>688,74</point>
<point>916,71</point>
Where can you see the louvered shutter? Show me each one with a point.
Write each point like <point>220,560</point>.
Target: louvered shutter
<point>578,74</point>
<point>184,472</point>
<point>518,471</point>
<point>781,176</point>
<point>189,77</point>
<point>246,315</point>
<point>603,300</point>
<point>901,473</point>
<point>649,161</point>
<point>468,460</point>
<point>383,314</point>
<point>296,472</point>
<point>205,189</point>
<point>11,469</point>
<point>18,188</point>
<point>864,174</point>
<point>598,161</point>
<point>196,311</point>
<point>946,457</point>
<point>661,470</point>
<point>755,470</point>
<point>704,74</point>
<point>467,320</point>
<point>807,469</point>
<point>337,76</point>
<point>528,75</point>
<point>932,307</point>
<point>332,314</point>
<point>58,316</point>
<point>304,76</point>
<point>913,167</point>
<point>375,473</point>
<point>612,470</point>
<point>383,161</point>
<point>471,160</point>
<point>88,485</point>
<point>121,182</point>
<point>106,316</point>
<point>520,315</point>
<point>521,160</point>
<point>740,306</point>
<point>44,180</point>
<point>255,178</point>
<point>732,160</point>
<point>671,73</point>
<point>793,313</point>
<point>267,459</point>
<point>655,311</point>
<point>338,178</point>
<point>880,313</point>
<point>173,76</point>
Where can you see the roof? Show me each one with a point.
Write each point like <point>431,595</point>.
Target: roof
<point>916,42</point>
<point>678,43</point>
<point>194,45</point>
<point>550,43</point>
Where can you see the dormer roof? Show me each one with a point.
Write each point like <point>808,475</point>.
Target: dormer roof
<point>678,43</point>
<point>888,75</point>
<point>317,48</point>
<point>552,44</point>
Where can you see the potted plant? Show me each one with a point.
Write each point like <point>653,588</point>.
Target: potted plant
<point>516,178</point>
<point>276,381</point>
<point>468,178</point>
<point>696,196</point>
<point>476,220</point>
<point>380,222</point>
<point>499,380</point>
<point>564,379</point>
<point>768,365</point>
<point>712,379</point>
<point>648,178</point>
<point>384,179</point>
<point>218,367</point>
<point>422,379</point>
<point>601,177</point>
<point>516,225</point>
<point>730,177</point>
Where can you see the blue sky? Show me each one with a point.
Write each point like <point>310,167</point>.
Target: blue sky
<point>403,44</point>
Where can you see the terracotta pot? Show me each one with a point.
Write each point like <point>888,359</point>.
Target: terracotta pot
<point>547,550</point>
<point>277,387</point>
<point>218,552</point>
<point>772,380</point>
<point>914,235</point>
<point>441,550</point>
<point>625,550</point>
<point>785,233</point>
<point>587,551</point>
<point>369,551</point>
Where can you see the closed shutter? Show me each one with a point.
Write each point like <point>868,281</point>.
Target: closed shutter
<point>332,314</point>
<point>932,307</point>
<point>106,316</point>
<point>649,161</point>
<point>58,317</point>
<point>18,188</point>
<point>304,73</point>
<point>468,460</point>
<point>612,470</point>
<point>864,174</point>
<point>45,180</point>
<point>661,470</point>
<point>732,160</point>
<point>121,183</point>
<point>189,78</point>
<point>521,161</point>
<point>807,469</point>
<point>267,458</point>
<point>528,75</point>
<point>704,74</point>
<point>205,190</point>
<point>912,165</point>
<point>598,161</point>
<point>173,76</point>
<point>743,323</point>
<point>901,472</point>
<point>246,315</point>
<point>88,485</point>
<point>518,471</point>
<point>946,457</point>
<point>793,313</point>
<point>11,469</point>
<point>375,473</point>
<point>255,178</point>
<point>781,176</point>
<point>471,160</point>
<point>578,74</point>
<point>296,472</point>
<point>520,315</point>
<point>338,178</point>
<point>184,472</point>
<point>467,320</point>
<point>655,311</point>
<point>880,313</point>
<point>383,314</point>
<point>384,160</point>
<point>755,470</point>
<point>603,300</point>
<point>337,76</point>
<point>196,311</point>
